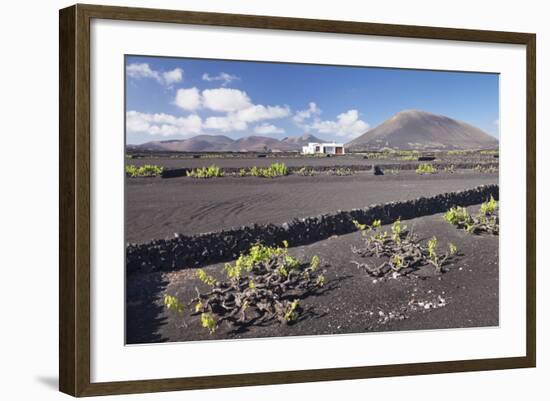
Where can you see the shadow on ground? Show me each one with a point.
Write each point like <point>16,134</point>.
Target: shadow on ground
<point>143,309</point>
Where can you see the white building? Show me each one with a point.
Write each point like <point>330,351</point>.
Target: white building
<point>313,148</point>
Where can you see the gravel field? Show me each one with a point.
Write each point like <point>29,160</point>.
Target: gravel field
<point>157,208</point>
<point>353,302</point>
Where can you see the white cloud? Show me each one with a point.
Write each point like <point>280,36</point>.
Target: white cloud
<point>266,128</point>
<point>238,105</point>
<point>346,125</point>
<point>137,122</point>
<point>224,77</point>
<point>260,112</point>
<point>188,99</point>
<point>225,124</point>
<point>302,115</point>
<point>138,71</point>
<point>224,99</point>
<point>173,77</point>
<point>237,108</point>
<point>143,70</point>
<point>163,124</point>
<point>238,120</point>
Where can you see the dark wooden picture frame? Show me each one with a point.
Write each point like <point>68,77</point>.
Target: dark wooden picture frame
<point>74,204</point>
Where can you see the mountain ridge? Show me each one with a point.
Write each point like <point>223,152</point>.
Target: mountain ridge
<point>222,143</point>
<point>421,130</point>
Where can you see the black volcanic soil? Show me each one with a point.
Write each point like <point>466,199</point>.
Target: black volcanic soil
<point>157,208</point>
<point>465,296</point>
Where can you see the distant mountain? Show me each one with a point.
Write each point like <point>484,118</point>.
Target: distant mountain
<point>199,143</point>
<point>221,143</point>
<point>415,129</point>
<point>258,144</point>
<point>300,141</point>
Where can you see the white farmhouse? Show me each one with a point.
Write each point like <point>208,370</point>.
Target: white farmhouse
<point>313,148</point>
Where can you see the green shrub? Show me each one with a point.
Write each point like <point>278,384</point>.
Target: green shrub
<point>315,262</point>
<point>147,170</point>
<point>458,216</point>
<point>275,170</point>
<point>208,322</point>
<point>206,172</point>
<point>426,169</point>
<point>397,261</point>
<point>173,303</point>
<point>206,278</point>
<point>364,228</point>
<point>131,170</point>
<point>485,221</point>
<point>453,250</point>
<point>321,280</point>
<point>398,230</point>
<point>291,315</point>
<point>256,254</point>
<point>489,207</point>
<point>432,250</point>
<point>278,169</point>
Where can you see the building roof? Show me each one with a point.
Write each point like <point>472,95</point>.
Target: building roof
<point>325,144</point>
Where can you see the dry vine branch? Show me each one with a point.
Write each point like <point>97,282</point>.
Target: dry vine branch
<point>401,252</point>
<point>264,285</point>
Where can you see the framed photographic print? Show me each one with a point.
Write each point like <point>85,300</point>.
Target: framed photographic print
<point>250,200</point>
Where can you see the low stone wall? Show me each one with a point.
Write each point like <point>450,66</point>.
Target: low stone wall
<point>438,165</point>
<point>174,172</point>
<point>181,172</point>
<point>202,249</point>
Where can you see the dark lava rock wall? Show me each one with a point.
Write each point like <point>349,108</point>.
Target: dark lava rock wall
<point>198,250</point>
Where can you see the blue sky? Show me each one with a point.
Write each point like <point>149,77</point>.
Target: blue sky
<point>177,98</point>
